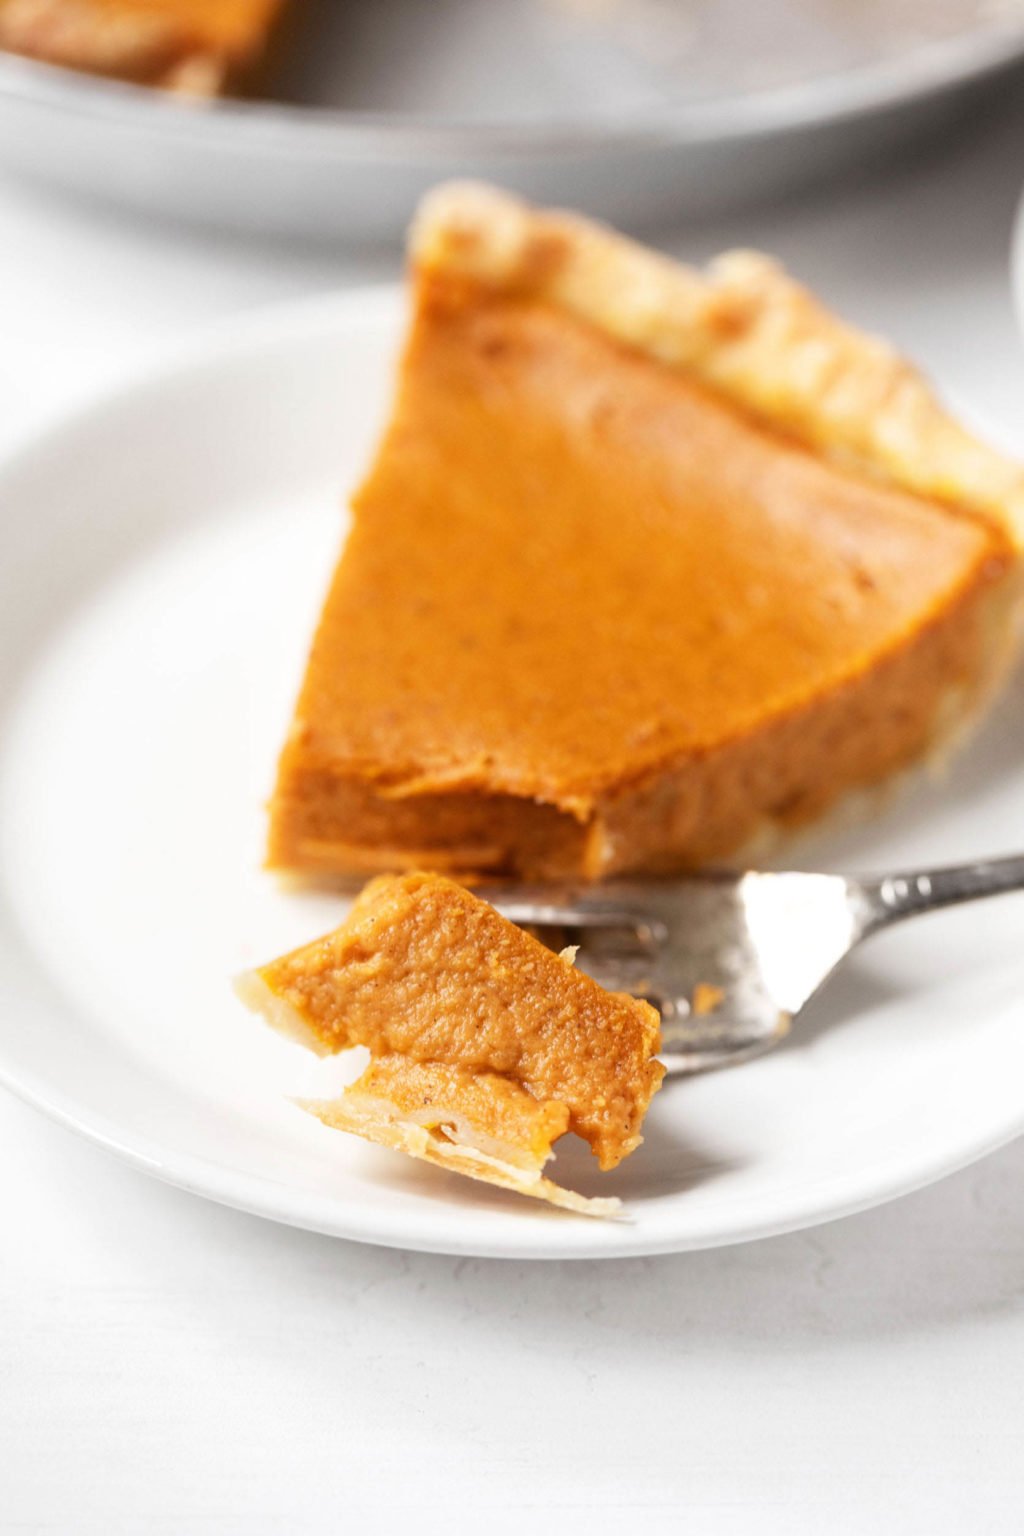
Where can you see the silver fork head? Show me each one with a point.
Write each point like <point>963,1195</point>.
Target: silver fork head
<point>728,959</point>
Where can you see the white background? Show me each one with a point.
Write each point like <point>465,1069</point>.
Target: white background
<point>167,1366</point>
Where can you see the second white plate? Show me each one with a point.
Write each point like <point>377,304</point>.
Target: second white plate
<point>165,555</point>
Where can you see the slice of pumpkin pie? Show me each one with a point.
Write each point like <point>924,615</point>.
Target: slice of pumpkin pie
<point>485,1047</point>
<point>651,563</point>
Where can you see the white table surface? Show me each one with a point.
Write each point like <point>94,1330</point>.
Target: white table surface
<point>168,1366</point>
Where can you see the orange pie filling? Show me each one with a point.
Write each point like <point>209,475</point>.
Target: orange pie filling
<point>615,596</point>
<point>485,1046</point>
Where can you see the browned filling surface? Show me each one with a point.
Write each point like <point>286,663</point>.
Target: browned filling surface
<point>472,1022</point>
<point>192,45</point>
<point>585,603</point>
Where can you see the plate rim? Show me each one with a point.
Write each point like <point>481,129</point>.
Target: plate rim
<point>294,322</point>
<point>293,131</point>
<point>252,1195</point>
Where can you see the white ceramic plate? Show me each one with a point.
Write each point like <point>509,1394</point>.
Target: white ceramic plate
<point>164,555</point>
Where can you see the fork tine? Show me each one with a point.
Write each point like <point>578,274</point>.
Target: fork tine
<point>760,943</point>
<point>551,915</point>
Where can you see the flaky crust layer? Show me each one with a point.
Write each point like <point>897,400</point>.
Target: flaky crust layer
<point>744,327</point>
<point>379,1119</point>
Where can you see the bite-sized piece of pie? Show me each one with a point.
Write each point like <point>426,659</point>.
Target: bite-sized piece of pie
<point>485,1046</point>
<point>197,47</point>
<point>650,563</point>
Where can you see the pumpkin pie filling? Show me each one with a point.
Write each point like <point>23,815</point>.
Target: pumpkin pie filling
<point>629,584</point>
<point>485,1047</point>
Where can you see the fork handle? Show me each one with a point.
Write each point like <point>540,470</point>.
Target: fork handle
<point>889,898</point>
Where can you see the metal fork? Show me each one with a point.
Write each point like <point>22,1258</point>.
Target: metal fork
<point>730,960</point>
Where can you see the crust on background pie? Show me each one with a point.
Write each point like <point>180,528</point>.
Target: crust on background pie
<point>192,49</point>
<point>742,326</point>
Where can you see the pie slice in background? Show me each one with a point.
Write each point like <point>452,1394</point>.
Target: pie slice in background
<point>195,47</point>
